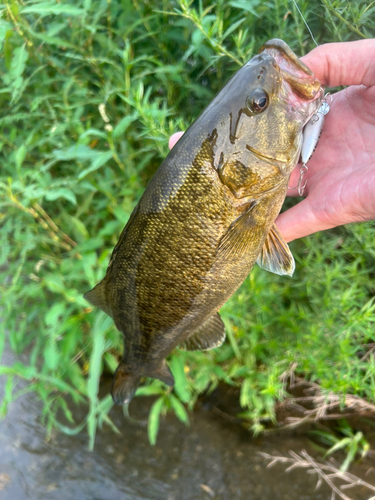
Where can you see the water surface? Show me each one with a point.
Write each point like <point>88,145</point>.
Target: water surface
<point>214,458</point>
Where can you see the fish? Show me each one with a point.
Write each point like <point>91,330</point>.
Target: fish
<point>207,216</point>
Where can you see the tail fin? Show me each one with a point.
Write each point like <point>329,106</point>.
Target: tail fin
<point>98,297</point>
<point>124,385</point>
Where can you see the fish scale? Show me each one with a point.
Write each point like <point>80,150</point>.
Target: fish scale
<point>207,216</point>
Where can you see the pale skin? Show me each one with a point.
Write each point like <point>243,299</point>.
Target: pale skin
<point>341,174</point>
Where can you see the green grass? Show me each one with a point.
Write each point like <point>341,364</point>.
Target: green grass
<point>91,92</point>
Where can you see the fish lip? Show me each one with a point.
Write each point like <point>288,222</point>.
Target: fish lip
<point>300,78</point>
<point>284,48</point>
<point>262,155</point>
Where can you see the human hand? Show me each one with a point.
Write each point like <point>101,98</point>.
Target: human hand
<point>341,173</point>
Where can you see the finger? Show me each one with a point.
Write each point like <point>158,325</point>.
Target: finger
<point>174,138</point>
<point>300,221</point>
<point>348,63</point>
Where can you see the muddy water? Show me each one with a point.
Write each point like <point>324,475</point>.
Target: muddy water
<point>212,459</point>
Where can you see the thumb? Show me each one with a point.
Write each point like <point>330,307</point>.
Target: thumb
<point>301,220</point>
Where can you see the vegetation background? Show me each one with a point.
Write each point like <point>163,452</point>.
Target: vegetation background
<point>91,91</point>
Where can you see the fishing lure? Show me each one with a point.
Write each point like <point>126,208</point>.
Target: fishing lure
<point>310,138</point>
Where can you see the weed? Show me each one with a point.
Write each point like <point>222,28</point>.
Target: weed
<point>91,93</point>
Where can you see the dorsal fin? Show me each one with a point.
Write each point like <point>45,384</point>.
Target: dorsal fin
<point>209,335</point>
<point>97,297</point>
<point>276,256</point>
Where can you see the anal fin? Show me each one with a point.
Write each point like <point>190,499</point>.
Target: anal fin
<point>162,373</point>
<point>276,256</point>
<point>209,335</point>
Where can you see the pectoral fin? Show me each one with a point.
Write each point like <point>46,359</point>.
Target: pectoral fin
<point>276,256</point>
<point>209,335</point>
<point>238,240</point>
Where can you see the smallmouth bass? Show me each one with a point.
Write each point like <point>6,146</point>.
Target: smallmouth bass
<point>207,216</point>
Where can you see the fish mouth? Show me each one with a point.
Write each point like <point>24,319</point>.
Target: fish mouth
<point>262,155</point>
<point>301,79</point>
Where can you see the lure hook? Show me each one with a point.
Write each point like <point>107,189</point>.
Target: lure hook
<point>301,185</point>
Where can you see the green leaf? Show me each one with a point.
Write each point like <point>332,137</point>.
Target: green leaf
<point>26,372</point>
<point>343,443</point>
<point>181,384</point>
<point>5,28</point>
<point>71,431</point>
<point>100,160</point>
<point>59,384</point>
<point>52,8</point>
<point>65,193</point>
<point>102,324</point>
<point>179,409</point>
<point>2,339</point>
<point>53,314</point>
<point>105,404</point>
<point>79,226</point>
<point>124,124</point>
<point>87,5</point>
<point>78,152</point>
<point>246,5</point>
<point>245,397</point>
<point>153,420</point>
<point>20,155</point>
<point>20,56</point>
<point>74,296</point>
<point>51,354</point>
<point>53,40</point>
<point>55,283</point>
<point>90,261</point>
<point>90,244</point>
<point>233,27</point>
<point>232,339</point>
<point>112,227</point>
<point>94,132</point>
<point>149,390</point>
<point>7,396</point>
<point>56,28</point>
<point>349,457</point>
<point>197,38</point>
<point>111,361</point>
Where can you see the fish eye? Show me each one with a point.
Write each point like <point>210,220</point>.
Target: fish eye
<point>257,101</point>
